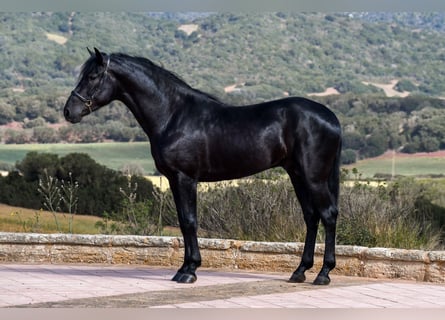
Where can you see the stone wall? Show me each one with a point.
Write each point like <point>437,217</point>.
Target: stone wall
<point>221,254</point>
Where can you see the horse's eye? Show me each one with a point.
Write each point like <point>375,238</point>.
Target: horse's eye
<point>92,76</point>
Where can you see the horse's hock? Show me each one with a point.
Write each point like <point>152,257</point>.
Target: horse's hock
<point>221,254</point>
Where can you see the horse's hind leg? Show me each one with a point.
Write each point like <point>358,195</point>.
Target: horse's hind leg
<point>317,204</point>
<point>184,193</point>
<point>311,219</point>
<point>324,203</point>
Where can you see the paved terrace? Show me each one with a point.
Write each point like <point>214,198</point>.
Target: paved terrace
<point>60,270</point>
<point>136,286</point>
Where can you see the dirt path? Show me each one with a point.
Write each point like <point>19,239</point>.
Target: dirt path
<point>389,88</point>
<point>327,92</point>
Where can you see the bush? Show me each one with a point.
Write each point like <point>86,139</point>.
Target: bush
<point>45,135</point>
<point>405,85</point>
<point>15,137</point>
<point>98,190</point>
<point>369,216</point>
<point>255,210</point>
<point>387,216</point>
<point>348,156</point>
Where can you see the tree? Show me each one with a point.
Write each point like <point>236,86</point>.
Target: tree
<point>33,166</point>
<point>15,191</point>
<point>45,135</point>
<point>376,144</point>
<point>348,156</point>
<point>353,140</point>
<point>15,137</point>
<point>6,114</point>
<point>97,187</point>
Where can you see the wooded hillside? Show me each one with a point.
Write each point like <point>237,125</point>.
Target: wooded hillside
<point>241,58</point>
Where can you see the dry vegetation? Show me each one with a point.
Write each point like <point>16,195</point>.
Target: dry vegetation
<point>14,219</point>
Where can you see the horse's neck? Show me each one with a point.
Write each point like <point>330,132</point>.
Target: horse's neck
<point>150,104</point>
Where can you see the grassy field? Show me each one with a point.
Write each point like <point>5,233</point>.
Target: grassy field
<point>403,164</point>
<point>113,155</point>
<point>13,219</point>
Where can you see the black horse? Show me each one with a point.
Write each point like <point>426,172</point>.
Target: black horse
<point>195,137</point>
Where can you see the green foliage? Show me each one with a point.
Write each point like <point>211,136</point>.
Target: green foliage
<point>36,165</point>
<point>140,217</point>
<point>268,55</point>
<point>255,210</point>
<point>404,214</point>
<point>373,124</point>
<point>348,156</point>
<point>401,215</point>
<point>74,182</point>
<point>405,85</point>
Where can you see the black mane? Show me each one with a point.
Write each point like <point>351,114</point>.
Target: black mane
<point>151,69</point>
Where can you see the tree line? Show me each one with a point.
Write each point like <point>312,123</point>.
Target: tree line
<point>99,190</point>
<point>268,55</point>
<point>371,125</point>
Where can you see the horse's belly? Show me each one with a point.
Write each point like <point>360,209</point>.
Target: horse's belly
<point>234,163</point>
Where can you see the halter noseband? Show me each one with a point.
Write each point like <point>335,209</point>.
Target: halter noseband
<point>88,102</point>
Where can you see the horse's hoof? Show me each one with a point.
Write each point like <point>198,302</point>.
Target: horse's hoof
<point>186,278</point>
<point>177,276</point>
<point>297,277</point>
<point>322,280</point>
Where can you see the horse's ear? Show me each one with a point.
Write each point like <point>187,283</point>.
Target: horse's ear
<point>90,52</point>
<point>99,57</point>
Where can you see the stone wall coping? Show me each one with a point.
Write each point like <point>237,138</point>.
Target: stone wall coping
<point>219,244</point>
<point>229,254</point>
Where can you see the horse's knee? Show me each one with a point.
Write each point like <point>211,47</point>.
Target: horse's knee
<point>189,225</point>
<point>329,217</point>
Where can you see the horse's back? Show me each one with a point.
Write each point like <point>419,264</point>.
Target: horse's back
<point>217,142</point>
<point>300,108</point>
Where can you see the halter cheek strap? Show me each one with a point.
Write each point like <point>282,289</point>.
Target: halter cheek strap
<point>88,102</point>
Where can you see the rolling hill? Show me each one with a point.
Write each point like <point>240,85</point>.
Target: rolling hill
<point>386,70</point>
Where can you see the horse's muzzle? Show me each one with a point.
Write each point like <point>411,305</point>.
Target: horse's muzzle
<point>70,117</point>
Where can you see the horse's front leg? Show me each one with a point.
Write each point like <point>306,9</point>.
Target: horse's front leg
<point>184,193</point>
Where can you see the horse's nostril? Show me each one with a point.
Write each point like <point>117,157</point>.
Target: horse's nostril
<point>66,113</point>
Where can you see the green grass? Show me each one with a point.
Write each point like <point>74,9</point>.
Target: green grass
<point>406,166</point>
<point>113,155</point>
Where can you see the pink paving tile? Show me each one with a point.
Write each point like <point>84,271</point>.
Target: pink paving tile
<point>251,302</point>
<point>41,283</point>
<point>191,305</point>
<point>221,304</point>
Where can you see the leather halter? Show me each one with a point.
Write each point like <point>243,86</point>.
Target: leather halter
<point>88,102</point>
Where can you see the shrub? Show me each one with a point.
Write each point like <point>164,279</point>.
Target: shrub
<point>98,186</point>
<point>255,210</point>
<point>387,216</point>
<point>348,156</point>
<point>369,216</point>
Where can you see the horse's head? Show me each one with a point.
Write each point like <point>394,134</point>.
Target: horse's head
<point>94,89</point>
